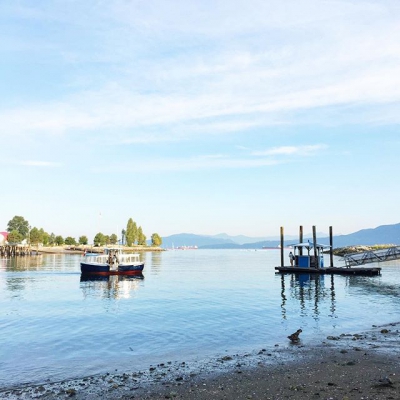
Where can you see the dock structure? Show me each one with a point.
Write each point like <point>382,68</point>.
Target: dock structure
<point>372,256</point>
<point>308,258</point>
<point>11,250</point>
<point>330,271</point>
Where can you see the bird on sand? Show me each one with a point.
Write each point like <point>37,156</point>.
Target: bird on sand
<point>294,337</point>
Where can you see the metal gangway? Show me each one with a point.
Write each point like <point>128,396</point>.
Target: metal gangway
<point>372,256</point>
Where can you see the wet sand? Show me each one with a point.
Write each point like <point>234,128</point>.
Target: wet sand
<point>348,366</point>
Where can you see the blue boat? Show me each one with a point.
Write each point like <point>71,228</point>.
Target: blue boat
<point>112,262</point>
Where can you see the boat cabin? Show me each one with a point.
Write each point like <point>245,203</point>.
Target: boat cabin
<point>306,255</point>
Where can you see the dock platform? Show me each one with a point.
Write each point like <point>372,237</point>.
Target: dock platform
<point>329,270</point>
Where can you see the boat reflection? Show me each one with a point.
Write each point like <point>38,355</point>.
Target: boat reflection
<point>311,290</point>
<point>110,286</point>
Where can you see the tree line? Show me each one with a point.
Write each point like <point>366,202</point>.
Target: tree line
<point>18,229</point>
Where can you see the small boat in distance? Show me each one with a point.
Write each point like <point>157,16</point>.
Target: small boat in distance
<point>271,247</point>
<point>112,262</point>
<point>275,247</point>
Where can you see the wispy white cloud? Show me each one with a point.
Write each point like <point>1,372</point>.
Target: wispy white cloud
<point>203,162</point>
<point>291,150</point>
<point>32,163</point>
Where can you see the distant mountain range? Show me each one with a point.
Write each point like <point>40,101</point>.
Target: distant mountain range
<point>384,234</point>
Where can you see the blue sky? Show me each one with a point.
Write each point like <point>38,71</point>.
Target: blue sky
<point>200,116</point>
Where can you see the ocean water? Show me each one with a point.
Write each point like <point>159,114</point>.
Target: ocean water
<point>189,305</point>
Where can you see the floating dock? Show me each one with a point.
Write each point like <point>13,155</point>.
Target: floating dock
<point>330,271</point>
<point>308,258</point>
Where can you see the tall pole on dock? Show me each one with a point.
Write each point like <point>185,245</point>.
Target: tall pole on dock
<point>301,239</point>
<point>282,258</point>
<point>314,234</point>
<point>331,244</point>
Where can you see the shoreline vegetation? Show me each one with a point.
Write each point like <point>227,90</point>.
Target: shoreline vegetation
<point>92,249</point>
<point>349,366</point>
<point>20,233</point>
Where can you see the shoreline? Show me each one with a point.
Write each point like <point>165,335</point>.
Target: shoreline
<point>349,366</point>
<point>81,249</point>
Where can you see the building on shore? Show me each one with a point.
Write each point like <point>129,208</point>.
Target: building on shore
<point>3,237</point>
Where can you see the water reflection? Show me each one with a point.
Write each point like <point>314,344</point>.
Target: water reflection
<point>156,261</point>
<point>310,290</point>
<point>110,287</point>
<point>26,263</point>
<point>16,285</point>
<point>373,286</point>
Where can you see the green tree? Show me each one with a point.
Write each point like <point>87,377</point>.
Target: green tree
<point>135,232</point>
<point>131,232</point>
<point>156,239</point>
<point>70,241</point>
<point>20,225</point>
<point>83,240</point>
<point>59,241</point>
<point>141,237</point>
<point>123,233</point>
<point>99,239</point>
<point>45,237</point>
<point>52,239</point>
<point>113,238</point>
<point>35,236</point>
<point>14,237</point>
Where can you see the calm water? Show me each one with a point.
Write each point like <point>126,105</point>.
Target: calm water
<point>189,305</point>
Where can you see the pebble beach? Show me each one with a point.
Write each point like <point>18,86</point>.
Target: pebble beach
<point>349,366</point>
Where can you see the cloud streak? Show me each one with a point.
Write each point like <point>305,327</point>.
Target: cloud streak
<point>255,159</point>
<point>204,162</point>
<point>291,150</point>
<point>44,164</point>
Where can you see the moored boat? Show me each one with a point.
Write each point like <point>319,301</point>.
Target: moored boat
<point>112,262</point>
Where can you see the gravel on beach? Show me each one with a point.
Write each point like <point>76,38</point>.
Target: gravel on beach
<point>348,366</point>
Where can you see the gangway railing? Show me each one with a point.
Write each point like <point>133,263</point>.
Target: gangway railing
<point>371,256</point>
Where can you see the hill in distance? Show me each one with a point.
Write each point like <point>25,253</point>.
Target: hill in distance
<point>190,239</point>
<point>384,234</point>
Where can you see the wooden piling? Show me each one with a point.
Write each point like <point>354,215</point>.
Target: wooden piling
<point>12,250</point>
<point>301,239</point>
<point>331,244</point>
<point>314,233</point>
<point>282,246</point>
